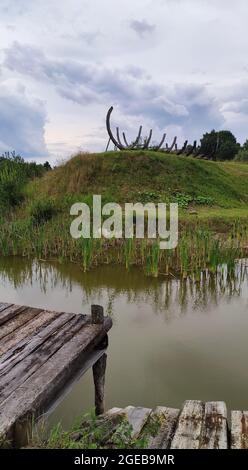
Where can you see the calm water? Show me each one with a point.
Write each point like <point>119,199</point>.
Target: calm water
<point>171,339</point>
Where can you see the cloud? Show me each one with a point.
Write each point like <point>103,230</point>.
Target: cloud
<point>189,106</point>
<point>22,123</point>
<point>142,27</point>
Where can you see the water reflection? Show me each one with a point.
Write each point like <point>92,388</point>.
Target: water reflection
<point>172,339</point>
<point>108,283</point>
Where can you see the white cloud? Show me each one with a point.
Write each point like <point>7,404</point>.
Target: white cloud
<point>188,74</point>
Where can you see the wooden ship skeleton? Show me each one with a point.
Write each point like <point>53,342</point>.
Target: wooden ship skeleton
<point>145,144</point>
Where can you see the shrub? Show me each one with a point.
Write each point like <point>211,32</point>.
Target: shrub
<point>42,210</point>
<point>184,200</point>
<point>242,156</point>
<point>14,174</point>
<point>10,187</point>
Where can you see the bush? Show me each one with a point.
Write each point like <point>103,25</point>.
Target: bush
<point>184,200</point>
<point>10,188</point>
<point>14,174</point>
<point>42,210</point>
<point>242,156</point>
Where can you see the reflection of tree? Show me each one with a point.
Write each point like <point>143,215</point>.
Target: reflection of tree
<point>109,284</point>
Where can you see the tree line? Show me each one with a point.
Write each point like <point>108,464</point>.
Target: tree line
<point>227,146</point>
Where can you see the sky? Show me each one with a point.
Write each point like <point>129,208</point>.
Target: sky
<point>177,66</point>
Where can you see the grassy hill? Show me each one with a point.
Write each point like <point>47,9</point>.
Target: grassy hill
<point>148,176</point>
<point>213,218</point>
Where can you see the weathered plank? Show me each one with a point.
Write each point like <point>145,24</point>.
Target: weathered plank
<point>188,431</point>
<point>239,429</point>
<point>160,427</point>
<point>4,305</point>
<point>17,375</point>
<point>10,312</point>
<point>214,431</point>
<point>109,423</point>
<point>14,338</point>
<point>36,393</point>
<point>114,411</point>
<point>24,315</point>
<point>136,417</point>
<point>41,332</point>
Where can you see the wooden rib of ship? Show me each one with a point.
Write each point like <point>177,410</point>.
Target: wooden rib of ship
<point>41,354</point>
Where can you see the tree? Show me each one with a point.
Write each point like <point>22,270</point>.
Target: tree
<point>245,146</point>
<point>242,156</point>
<point>47,166</point>
<point>227,144</point>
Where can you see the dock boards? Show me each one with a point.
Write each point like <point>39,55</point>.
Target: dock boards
<point>197,425</point>
<point>40,351</point>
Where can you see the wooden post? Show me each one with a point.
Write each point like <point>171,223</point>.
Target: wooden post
<point>97,314</point>
<point>99,368</point>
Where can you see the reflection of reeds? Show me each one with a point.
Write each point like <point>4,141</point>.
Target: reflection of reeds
<point>170,296</point>
<point>197,250</point>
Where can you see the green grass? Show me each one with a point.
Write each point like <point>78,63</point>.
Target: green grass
<point>134,176</point>
<point>91,432</point>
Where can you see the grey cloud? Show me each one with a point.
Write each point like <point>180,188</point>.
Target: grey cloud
<point>142,27</point>
<point>22,125</point>
<point>186,105</point>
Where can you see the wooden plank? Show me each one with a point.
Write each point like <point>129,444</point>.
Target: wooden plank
<point>188,431</point>
<point>214,431</point>
<point>4,305</point>
<point>114,411</point>
<point>136,417</point>
<point>18,374</point>
<point>239,429</point>
<point>41,332</point>
<point>36,393</point>
<point>160,427</point>
<point>15,339</point>
<point>109,423</point>
<point>18,321</point>
<point>10,312</point>
<point>11,340</point>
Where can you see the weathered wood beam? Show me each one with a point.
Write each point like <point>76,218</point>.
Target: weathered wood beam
<point>115,142</point>
<point>239,429</point>
<point>214,431</point>
<point>188,431</point>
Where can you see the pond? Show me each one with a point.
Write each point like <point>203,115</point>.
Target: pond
<point>172,339</point>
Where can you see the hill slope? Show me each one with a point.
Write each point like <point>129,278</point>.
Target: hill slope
<point>147,176</point>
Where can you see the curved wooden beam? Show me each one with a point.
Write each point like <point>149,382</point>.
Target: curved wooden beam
<point>160,143</point>
<point>115,142</point>
<point>183,148</point>
<point>133,145</point>
<point>118,137</point>
<point>125,140</point>
<point>136,142</point>
<point>172,145</point>
<point>146,145</point>
<point>212,154</point>
<point>192,151</point>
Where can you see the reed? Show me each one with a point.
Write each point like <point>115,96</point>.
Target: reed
<point>197,248</point>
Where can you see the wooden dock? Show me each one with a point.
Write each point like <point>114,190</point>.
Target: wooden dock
<point>41,353</point>
<point>197,425</point>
